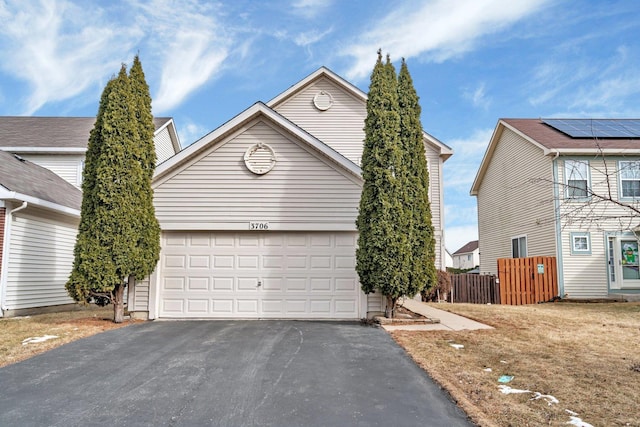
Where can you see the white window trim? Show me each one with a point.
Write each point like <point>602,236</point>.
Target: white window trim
<point>621,196</point>
<point>526,246</point>
<point>572,241</point>
<point>566,179</point>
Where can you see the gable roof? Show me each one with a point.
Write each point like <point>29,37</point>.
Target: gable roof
<point>552,142</point>
<point>53,134</point>
<point>257,110</point>
<point>24,181</point>
<point>469,247</point>
<point>445,150</point>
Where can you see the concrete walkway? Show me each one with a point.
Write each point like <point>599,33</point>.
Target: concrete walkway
<point>448,321</point>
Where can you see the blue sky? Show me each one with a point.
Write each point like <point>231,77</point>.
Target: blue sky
<point>472,62</point>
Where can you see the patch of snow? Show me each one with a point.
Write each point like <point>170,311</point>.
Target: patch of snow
<point>505,389</point>
<point>457,346</point>
<point>575,421</point>
<point>487,370</point>
<point>503,361</point>
<point>547,397</point>
<point>35,340</point>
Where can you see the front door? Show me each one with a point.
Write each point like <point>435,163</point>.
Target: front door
<point>628,262</point>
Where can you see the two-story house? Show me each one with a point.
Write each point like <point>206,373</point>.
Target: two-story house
<point>258,217</point>
<point>467,257</point>
<point>567,188</point>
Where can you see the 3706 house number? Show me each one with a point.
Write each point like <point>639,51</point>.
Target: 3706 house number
<point>257,226</point>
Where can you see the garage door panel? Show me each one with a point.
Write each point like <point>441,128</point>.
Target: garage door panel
<point>248,284</point>
<point>223,261</point>
<point>198,284</point>
<point>223,284</point>
<point>259,275</point>
<point>173,284</point>
<point>198,261</point>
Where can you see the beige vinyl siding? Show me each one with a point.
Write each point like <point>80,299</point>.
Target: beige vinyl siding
<point>40,260</point>
<point>341,127</point>
<point>374,303</point>
<point>435,198</point>
<point>67,166</point>
<point>510,204</point>
<point>585,276</point>
<point>138,296</point>
<point>217,192</point>
<point>164,146</point>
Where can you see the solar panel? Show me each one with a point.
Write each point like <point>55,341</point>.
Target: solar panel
<point>596,128</point>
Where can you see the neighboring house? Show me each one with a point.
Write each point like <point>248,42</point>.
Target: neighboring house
<point>467,257</point>
<point>60,143</point>
<point>40,209</point>
<point>39,216</point>
<point>258,216</point>
<point>537,192</point>
<point>448,259</point>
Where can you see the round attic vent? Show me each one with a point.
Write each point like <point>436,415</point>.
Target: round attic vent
<point>260,158</point>
<point>323,100</point>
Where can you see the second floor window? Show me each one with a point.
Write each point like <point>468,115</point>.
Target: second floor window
<point>629,178</point>
<point>576,179</point>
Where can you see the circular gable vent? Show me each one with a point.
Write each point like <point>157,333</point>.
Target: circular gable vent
<point>323,100</point>
<point>260,158</point>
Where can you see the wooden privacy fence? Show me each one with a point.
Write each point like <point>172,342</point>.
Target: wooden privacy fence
<point>475,289</point>
<point>527,280</point>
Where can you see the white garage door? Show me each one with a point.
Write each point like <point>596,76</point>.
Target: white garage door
<point>259,275</point>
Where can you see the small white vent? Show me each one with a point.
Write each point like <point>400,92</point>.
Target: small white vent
<point>260,158</point>
<point>323,100</point>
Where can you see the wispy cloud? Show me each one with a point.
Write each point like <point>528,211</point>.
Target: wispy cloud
<point>310,37</point>
<point>189,132</point>
<point>578,86</point>
<point>437,30</point>
<point>457,236</point>
<point>59,49</point>
<point>310,8</point>
<point>478,96</point>
<point>192,43</point>
<point>460,170</point>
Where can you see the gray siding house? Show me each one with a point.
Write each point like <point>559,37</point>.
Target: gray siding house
<point>41,161</point>
<point>258,216</point>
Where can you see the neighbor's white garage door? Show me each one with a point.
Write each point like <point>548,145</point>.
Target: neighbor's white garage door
<point>259,275</point>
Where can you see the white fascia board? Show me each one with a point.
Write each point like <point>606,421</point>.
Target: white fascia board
<point>351,88</point>
<point>595,151</point>
<point>445,150</point>
<point>235,123</point>
<point>46,150</point>
<point>45,204</point>
<point>173,134</point>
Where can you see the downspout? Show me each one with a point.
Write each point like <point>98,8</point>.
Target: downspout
<point>556,207</point>
<point>5,257</point>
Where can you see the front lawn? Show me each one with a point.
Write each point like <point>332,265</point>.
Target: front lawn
<point>571,362</point>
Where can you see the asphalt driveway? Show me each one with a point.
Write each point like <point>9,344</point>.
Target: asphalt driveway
<point>226,373</point>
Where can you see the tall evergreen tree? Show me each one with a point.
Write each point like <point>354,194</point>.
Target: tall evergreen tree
<point>118,236</point>
<point>383,252</point>
<point>422,271</point>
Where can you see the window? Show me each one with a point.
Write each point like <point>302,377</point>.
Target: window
<point>580,244</point>
<point>469,257</point>
<point>629,178</point>
<point>576,174</point>
<point>519,247</point>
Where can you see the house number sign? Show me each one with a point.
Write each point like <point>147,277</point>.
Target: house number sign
<point>258,226</point>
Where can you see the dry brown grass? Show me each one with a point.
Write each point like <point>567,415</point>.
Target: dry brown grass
<point>67,326</point>
<point>585,355</point>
